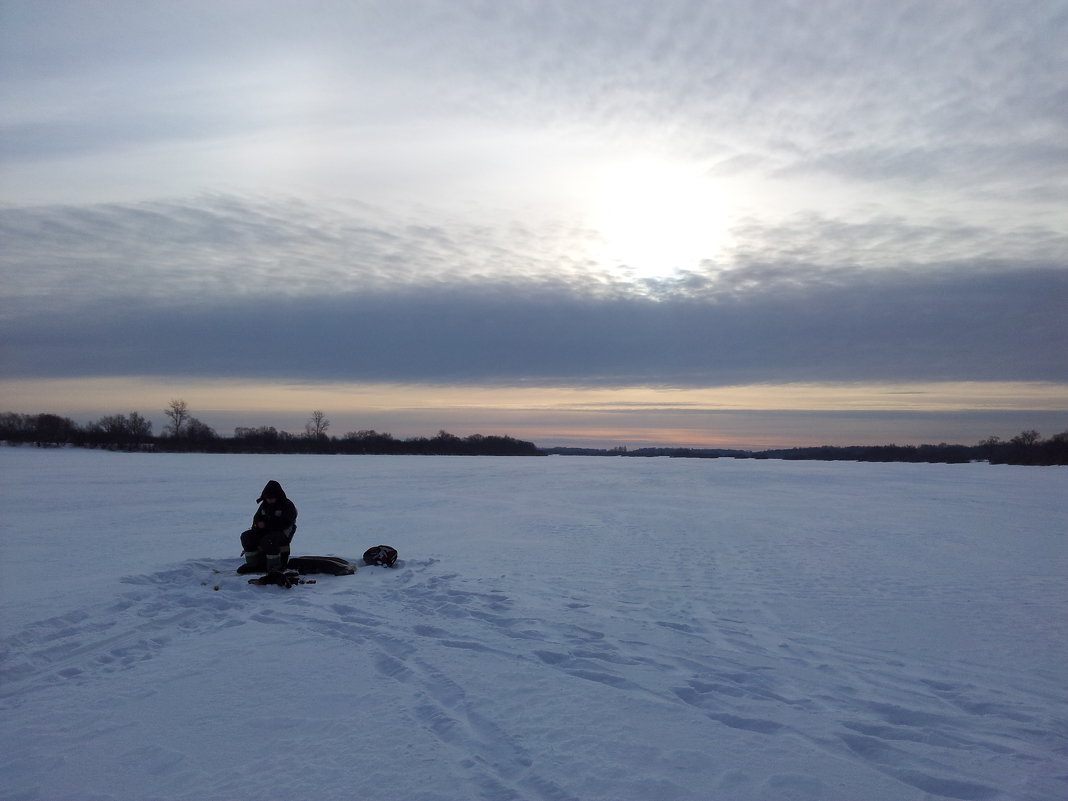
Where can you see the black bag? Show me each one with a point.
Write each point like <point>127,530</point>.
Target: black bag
<point>380,555</point>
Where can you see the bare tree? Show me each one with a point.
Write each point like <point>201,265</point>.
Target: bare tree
<point>178,412</point>
<point>1026,438</point>
<point>318,424</point>
<point>140,428</point>
<point>120,430</point>
<point>199,432</point>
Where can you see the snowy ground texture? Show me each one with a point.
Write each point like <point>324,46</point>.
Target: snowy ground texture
<point>561,628</point>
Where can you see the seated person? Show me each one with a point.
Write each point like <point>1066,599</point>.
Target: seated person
<point>265,546</point>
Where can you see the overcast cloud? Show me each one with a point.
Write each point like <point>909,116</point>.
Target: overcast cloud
<point>123,290</point>
<point>422,191</point>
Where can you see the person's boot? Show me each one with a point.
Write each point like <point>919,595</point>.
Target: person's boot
<point>255,562</point>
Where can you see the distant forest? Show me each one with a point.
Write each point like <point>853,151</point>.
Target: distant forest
<point>185,433</point>
<point>1026,448</point>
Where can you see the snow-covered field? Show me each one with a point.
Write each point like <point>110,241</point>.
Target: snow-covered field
<point>561,628</point>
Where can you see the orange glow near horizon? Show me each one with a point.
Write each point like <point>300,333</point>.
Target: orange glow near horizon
<point>229,395</point>
<point>636,416</point>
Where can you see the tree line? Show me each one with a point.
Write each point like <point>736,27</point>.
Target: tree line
<point>185,433</point>
<point>1026,448</point>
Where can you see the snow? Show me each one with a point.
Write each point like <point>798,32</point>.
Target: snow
<point>559,628</point>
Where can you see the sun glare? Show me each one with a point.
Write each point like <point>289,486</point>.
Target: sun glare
<point>651,218</point>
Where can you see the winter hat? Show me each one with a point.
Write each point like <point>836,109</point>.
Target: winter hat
<point>274,489</point>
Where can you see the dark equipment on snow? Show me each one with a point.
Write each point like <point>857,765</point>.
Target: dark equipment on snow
<point>380,555</point>
<point>283,578</point>
<point>331,565</point>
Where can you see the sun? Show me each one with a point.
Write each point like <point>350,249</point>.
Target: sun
<point>651,218</point>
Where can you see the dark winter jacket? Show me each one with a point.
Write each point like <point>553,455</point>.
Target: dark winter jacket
<point>278,516</point>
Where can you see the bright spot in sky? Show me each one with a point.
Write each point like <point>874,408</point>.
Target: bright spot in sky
<point>652,218</point>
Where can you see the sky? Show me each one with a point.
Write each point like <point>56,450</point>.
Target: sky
<point>666,222</point>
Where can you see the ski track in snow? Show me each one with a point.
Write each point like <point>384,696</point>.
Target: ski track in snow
<point>489,679</point>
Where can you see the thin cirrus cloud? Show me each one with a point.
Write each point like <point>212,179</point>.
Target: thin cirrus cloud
<point>912,91</point>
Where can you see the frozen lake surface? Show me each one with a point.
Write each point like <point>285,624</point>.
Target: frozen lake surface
<point>560,628</point>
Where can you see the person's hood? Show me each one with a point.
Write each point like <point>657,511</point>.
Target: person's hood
<point>272,488</point>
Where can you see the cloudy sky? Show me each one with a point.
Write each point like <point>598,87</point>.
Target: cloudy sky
<point>744,223</point>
